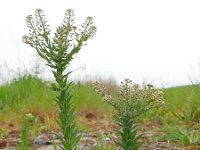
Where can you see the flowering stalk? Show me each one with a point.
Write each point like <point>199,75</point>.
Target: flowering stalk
<point>133,101</point>
<point>58,52</point>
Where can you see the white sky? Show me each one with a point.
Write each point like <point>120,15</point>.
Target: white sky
<point>139,39</point>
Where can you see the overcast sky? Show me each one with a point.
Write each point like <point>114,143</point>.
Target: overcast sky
<point>138,39</point>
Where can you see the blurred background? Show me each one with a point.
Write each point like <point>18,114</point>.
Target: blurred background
<point>152,41</point>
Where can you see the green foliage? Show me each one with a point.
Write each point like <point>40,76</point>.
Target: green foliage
<point>58,52</point>
<point>182,134</point>
<point>133,101</point>
<point>24,142</point>
<point>189,115</point>
<point>184,129</point>
<point>86,97</point>
<point>31,93</point>
<point>23,91</point>
<point>180,103</point>
<point>37,127</point>
<point>181,97</point>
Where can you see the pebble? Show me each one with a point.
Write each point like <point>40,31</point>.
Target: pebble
<point>49,147</point>
<point>106,139</point>
<point>42,139</point>
<point>89,140</point>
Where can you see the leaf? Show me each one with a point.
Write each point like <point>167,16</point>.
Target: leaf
<point>186,140</point>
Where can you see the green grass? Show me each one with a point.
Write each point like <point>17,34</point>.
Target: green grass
<point>85,97</point>
<point>29,91</point>
<point>181,97</point>
<point>29,94</point>
<point>180,100</point>
<point>24,91</point>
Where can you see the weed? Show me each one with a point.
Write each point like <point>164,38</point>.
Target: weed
<point>189,115</point>
<point>181,134</point>
<point>37,127</point>
<point>133,101</point>
<point>183,129</point>
<point>24,142</point>
<point>188,136</point>
<point>58,52</point>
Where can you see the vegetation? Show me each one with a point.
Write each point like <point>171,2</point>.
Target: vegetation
<point>29,94</point>
<point>133,102</point>
<point>46,106</point>
<point>58,52</point>
<point>23,92</point>
<point>24,139</point>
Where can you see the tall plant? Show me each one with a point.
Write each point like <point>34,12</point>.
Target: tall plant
<point>133,101</point>
<point>58,51</point>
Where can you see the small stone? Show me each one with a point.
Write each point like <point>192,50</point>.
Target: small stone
<point>42,140</point>
<point>106,139</point>
<point>50,147</point>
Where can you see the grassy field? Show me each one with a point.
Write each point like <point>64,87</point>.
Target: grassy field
<point>29,94</point>
<point>176,121</point>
